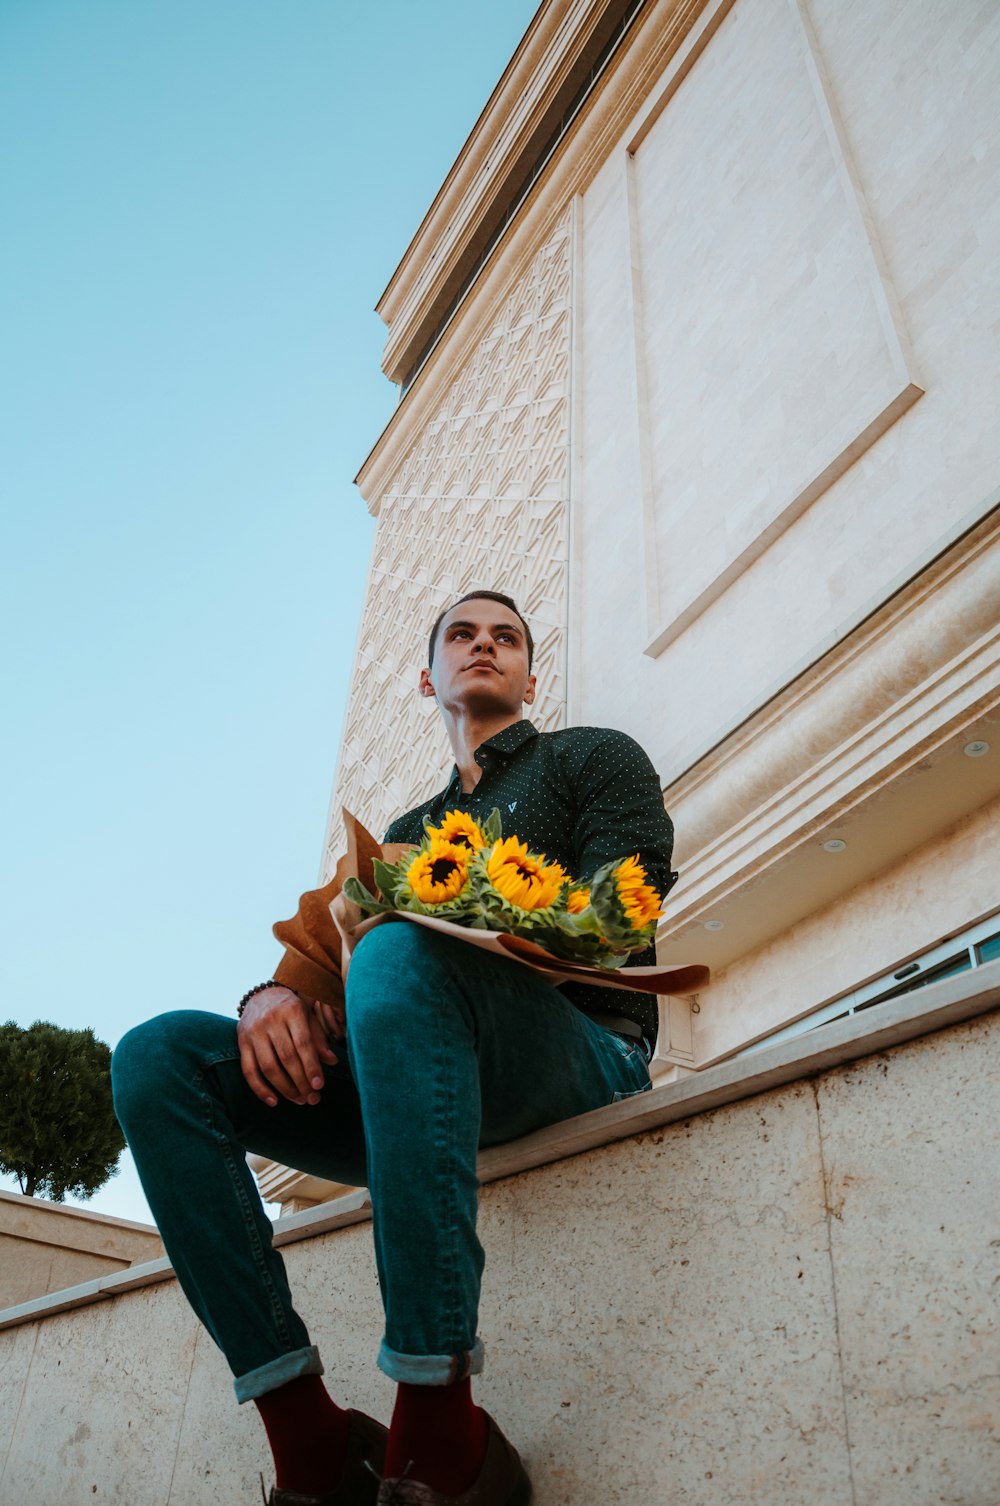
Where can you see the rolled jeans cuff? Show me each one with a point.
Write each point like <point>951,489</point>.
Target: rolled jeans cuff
<point>275,1373</point>
<point>431,1369</point>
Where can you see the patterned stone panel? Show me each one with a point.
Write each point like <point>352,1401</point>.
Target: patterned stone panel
<point>479,500</point>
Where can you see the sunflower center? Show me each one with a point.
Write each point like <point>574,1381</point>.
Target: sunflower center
<point>442,870</point>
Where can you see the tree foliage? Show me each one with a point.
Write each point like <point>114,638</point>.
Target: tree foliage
<point>58,1131</point>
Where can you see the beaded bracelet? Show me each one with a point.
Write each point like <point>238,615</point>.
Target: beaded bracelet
<point>258,988</point>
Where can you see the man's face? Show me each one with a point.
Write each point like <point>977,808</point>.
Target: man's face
<point>480,661</point>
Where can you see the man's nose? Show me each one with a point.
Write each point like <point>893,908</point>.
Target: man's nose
<point>484,645</point>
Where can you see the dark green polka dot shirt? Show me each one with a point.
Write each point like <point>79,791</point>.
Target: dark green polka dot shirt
<point>582,796</point>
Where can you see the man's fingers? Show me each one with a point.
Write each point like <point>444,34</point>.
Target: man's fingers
<point>251,1072</point>
<point>331,1020</point>
<point>321,1045</point>
<point>298,1055</point>
<point>271,1065</point>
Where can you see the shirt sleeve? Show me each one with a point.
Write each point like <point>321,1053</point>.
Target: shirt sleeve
<point>620,811</point>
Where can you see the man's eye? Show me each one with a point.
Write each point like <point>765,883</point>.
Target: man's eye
<point>508,636</point>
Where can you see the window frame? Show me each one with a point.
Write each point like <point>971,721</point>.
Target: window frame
<point>904,977</point>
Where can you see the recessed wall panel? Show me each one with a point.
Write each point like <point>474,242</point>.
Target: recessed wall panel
<point>767,345</point>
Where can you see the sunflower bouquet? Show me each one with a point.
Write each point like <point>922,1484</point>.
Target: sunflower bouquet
<point>471,875</point>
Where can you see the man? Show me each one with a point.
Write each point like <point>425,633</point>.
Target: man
<point>447,1049</point>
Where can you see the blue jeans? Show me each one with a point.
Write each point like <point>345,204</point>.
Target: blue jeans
<point>448,1049</point>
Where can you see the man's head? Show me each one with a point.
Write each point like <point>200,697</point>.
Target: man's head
<point>479,658</point>
<point>497,596</point>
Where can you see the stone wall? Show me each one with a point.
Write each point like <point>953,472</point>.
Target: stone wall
<point>45,1246</point>
<point>788,1300</point>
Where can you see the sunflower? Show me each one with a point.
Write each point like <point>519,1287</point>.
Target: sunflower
<point>439,874</point>
<point>639,899</point>
<point>522,877</point>
<point>577,900</point>
<point>458,828</point>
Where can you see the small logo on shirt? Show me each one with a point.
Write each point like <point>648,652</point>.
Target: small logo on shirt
<point>511,806</point>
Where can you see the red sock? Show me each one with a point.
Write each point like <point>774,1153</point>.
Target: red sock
<point>307,1432</point>
<point>440,1433</point>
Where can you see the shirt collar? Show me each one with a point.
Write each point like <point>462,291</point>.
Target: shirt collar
<point>504,742</point>
<point>510,739</point>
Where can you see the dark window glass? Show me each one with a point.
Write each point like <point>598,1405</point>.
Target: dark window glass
<point>842,1016</point>
<point>989,949</point>
<point>958,964</point>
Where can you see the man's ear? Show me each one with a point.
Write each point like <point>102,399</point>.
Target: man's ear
<point>529,694</point>
<point>426,688</point>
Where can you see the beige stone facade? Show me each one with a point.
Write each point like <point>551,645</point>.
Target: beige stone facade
<point>479,494</point>
<point>719,409</point>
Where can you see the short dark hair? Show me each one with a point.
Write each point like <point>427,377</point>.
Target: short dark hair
<point>505,601</point>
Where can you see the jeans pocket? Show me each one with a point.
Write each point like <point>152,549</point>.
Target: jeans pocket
<point>632,1092</point>
<point>635,1062</point>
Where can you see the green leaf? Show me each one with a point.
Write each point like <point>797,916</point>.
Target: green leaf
<point>493,827</point>
<point>390,877</point>
<point>359,895</point>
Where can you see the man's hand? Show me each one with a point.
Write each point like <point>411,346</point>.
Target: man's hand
<point>283,1046</point>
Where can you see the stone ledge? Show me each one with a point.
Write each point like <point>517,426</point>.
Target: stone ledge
<point>17,1204</point>
<point>147,1274</point>
<point>878,1029</point>
<point>41,1222</point>
<point>935,1007</point>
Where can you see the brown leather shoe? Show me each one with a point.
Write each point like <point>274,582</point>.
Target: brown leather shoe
<point>363,1467</point>
<point>502,1482</point>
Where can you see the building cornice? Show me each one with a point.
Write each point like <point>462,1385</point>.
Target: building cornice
<point>281,1184</point>
<point>662,28</point>
<point>909,678</point>
<point>546,71</point>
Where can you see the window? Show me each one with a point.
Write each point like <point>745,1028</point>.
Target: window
<point>989,950</point>
<point>980,944</point>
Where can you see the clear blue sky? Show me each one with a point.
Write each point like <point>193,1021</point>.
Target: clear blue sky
<point>199,207</point>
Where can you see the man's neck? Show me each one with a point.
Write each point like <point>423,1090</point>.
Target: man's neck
<point>467,732</point>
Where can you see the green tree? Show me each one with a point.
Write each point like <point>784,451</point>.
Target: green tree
<point>58,1131</point>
